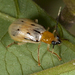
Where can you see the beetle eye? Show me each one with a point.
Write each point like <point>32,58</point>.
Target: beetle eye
<point>53,42</point>
<point>56,42</point>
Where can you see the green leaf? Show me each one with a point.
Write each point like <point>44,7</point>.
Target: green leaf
<point>65,69</point>
<point>22,59</point>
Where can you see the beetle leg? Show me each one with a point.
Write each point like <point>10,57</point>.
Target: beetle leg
<point>54,31</point>
<point>36,20</point>
<point>48,28</point>
<point>11,44</point>
<point>38,55</point>
<point>48,46</point>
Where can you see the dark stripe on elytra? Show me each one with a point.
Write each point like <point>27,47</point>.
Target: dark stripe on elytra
<point>22,21</point>
<point>31,40</point>
<point>36,31</point>
<point>33,24</point>
<point>13,34</point>
<point>28,33</point>
<point>28,39</point>
<point>37,41</point>
<point>18,29</point>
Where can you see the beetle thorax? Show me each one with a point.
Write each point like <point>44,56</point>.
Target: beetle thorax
<point>47,37</point>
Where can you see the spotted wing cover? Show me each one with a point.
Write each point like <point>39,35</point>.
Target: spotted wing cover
<point>26,30</point>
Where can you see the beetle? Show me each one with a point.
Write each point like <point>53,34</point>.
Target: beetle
<point>28,31</point>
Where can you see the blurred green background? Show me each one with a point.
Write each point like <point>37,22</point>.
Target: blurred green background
<point>52,7</point>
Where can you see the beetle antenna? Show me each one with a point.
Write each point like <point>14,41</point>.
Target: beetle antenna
<point>58,18</point>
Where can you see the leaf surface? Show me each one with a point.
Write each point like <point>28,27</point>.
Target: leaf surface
<point>22,59</point>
